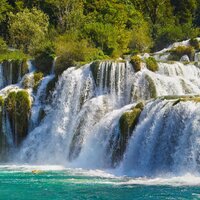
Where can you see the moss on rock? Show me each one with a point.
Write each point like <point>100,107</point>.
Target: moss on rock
<point>136,62</point>
<point>152,64</point>
<point>23,108</point>
<point>127,124</point>
<point>178,99</point>
<point>38,76</point>
<point>10,102</point>
<point>18,106</point>
<point>178,52</point>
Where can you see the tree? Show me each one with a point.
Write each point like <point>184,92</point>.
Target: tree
<point>184,10</point>
<point>4,8</point>
<point>28,29</point>
<point>68,13</point>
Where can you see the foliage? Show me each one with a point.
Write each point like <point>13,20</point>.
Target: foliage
<point>37,79</point>
<point>127,124</point>
<point>18,106</point>
<point>136,61</point>
<point>28,29</point>
<point>70,48</point>
<point>152,64</point>
<point>44,57</point>
<point>13,55</point>
<point>4,8</point>
<point>3,46</point>
<point>96,28</point>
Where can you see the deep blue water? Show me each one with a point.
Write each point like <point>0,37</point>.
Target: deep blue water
<point>22,183</point>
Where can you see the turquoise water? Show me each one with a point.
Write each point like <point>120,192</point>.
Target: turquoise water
<point>56,183</point>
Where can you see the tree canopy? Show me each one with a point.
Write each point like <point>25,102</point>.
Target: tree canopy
<point>106,27</point>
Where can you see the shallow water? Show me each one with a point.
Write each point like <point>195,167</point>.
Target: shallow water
<point>58,183</point>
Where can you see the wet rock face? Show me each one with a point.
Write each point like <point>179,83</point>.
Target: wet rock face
<point>12,71</point>
<point>127,124</point>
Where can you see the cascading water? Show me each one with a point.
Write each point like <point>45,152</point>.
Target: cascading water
<point>39,101</point>
<point>82,125</point>
<point>80,102</point>
<point>166,140</point>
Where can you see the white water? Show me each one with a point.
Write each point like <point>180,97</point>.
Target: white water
<point>167,139</point>
<point>39,100</point>
<point>83,121</point>
<point>81,128</point>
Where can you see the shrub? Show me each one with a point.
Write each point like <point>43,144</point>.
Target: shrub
<point>140,39</point>
<point>44,59</point>
<point>70,49</point>
<point>152,64</point>
<point>195,43</point>
<point>136,62</point>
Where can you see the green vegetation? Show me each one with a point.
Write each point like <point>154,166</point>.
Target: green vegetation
<point>136,61</point>
<point>23,107</point>
<point>28,29</point>
<point>152,64</point>
<point>127,124</point>
<point>84,30</point>
<point>44,59</point>
<point>13,55</point>
<point>180,51</point>
<point>37,79</point>
<point>18,106</point>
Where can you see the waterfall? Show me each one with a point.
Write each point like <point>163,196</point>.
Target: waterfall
<point>80,102</point>
<point>166,140</point>
<point>39,101</point>
<point>81,127</point>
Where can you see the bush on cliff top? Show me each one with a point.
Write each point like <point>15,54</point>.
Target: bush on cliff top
<point>136,61</point>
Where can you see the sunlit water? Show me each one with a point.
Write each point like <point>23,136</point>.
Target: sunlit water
<point>58,183</point>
